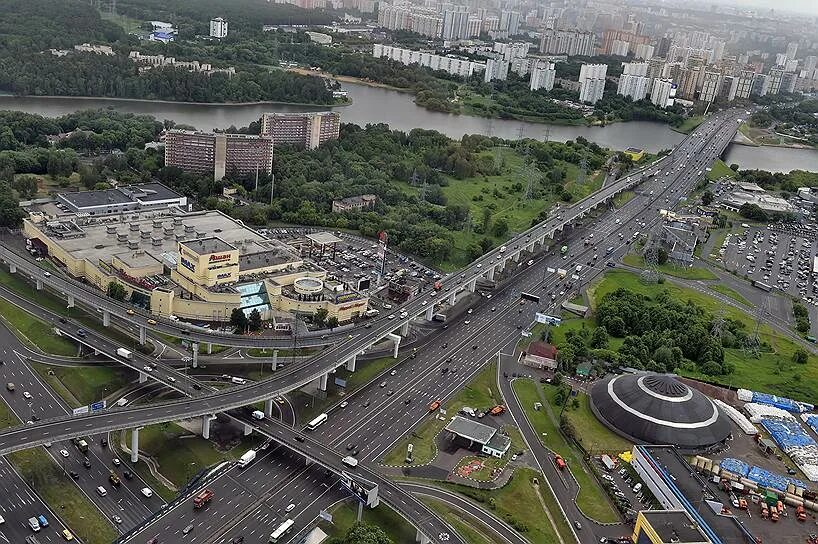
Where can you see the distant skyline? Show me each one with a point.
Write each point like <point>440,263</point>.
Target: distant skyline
<point>800,6</point>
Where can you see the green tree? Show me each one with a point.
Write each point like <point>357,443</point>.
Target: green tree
<point>254,322</point>
<point>238,320</point>
<point>800,356</point>
<point>116,291</point>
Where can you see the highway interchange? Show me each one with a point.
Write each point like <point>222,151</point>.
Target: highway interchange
<point>419,379</point>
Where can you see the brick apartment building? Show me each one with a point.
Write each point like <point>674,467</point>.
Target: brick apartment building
<point>308,130</point>
<point>203,152</point>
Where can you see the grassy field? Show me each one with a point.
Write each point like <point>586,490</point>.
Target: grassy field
<point>517,503</point>
<point>180,454</point>
<point>35,331</point>
<point>345,515</point>
<point>40,471</point>
<point>684,272</point>
<point>690,124</point>
<point>80,386</point>
<point>732,293</point>
<point>591,498</point>
<point>772,372</point>
<point>480,393</point>
<point>469,528</point>
<point>720,170</point>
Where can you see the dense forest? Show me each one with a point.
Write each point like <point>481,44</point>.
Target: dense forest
<point>30,27</point>
<point>661,334</point>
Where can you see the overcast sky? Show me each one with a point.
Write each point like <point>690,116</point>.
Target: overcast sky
<point>801,6</point>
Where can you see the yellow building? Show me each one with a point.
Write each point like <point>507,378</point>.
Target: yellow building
<point>667,527</point>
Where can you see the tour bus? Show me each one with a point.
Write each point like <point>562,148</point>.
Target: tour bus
<point>320,420</point>
<point>282,530</point>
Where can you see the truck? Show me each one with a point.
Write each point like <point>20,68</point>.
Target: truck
<point>204,497</point>
<point>497,410</point>
<point>124,353</point>
<point>258,414</point>
<point>563,250</point>
<point>247,458</point>
<point>350,461</point>
<point>434,405</point>
<point>560,462</point>
<point>800,513</point>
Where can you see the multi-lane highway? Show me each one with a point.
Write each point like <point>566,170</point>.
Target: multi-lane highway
<point>66,427</point>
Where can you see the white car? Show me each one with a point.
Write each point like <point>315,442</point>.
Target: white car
<point>64,453</point>
<point>27,395</point>
<point>147,492</point>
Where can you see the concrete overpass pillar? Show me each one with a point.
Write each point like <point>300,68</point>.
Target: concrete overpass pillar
<point>275,359</point>
<point>135,445</point>
<point>210,348</point>
<point>395,338</point>
<point>268,407</point>
<point>39,284</point>
<point>206,419</point>
<point>421,538</point>
<point>106,318</point>
<point>430,312</point>
<point>490,274</point>
<point>351,363</point>
<point>143,377</point>
<point>452,299</point>
<point>248,429</point>
<point>472,285</point>
<point>195,348</point>
<point>143,336</point>
<point>13,268</point>
<point>70,301</point>
<point>322,382</point>
<point>404,329</point>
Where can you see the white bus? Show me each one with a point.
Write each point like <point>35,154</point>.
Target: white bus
<point>321,419</point>
<point>282,530</point>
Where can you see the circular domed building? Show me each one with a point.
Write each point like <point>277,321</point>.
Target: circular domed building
<point>658,409</point>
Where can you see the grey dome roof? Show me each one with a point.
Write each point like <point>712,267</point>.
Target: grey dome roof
<point>658,409</point>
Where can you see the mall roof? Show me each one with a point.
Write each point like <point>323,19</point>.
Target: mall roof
<point>471,430</point>
<point>675,526</point>
<point>658,409</point>
<point>203,246</point>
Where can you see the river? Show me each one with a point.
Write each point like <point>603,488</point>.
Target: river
<point>378,105</point>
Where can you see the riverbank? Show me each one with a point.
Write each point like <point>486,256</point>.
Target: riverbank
<point>182,102</point>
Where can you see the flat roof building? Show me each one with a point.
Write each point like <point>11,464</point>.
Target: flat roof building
<point>122,199</point>
<point>489,439</point>
<point>308,130</point>
<point>220,153</point>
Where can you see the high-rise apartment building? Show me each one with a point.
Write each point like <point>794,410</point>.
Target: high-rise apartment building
<point>567,42</point>
<point>744,84</point>
<point>218,28</point>
<point>644,51</point>
<point>711,86</point>
<point>592,82</point>
<point>308,130</point>
<point>510,22</point>
<point>496,69</point>
<point>219,153</point>
<point>662,93</point>
<point>543,76</point>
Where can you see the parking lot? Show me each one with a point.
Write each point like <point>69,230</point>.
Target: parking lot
<point>780,256</point>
